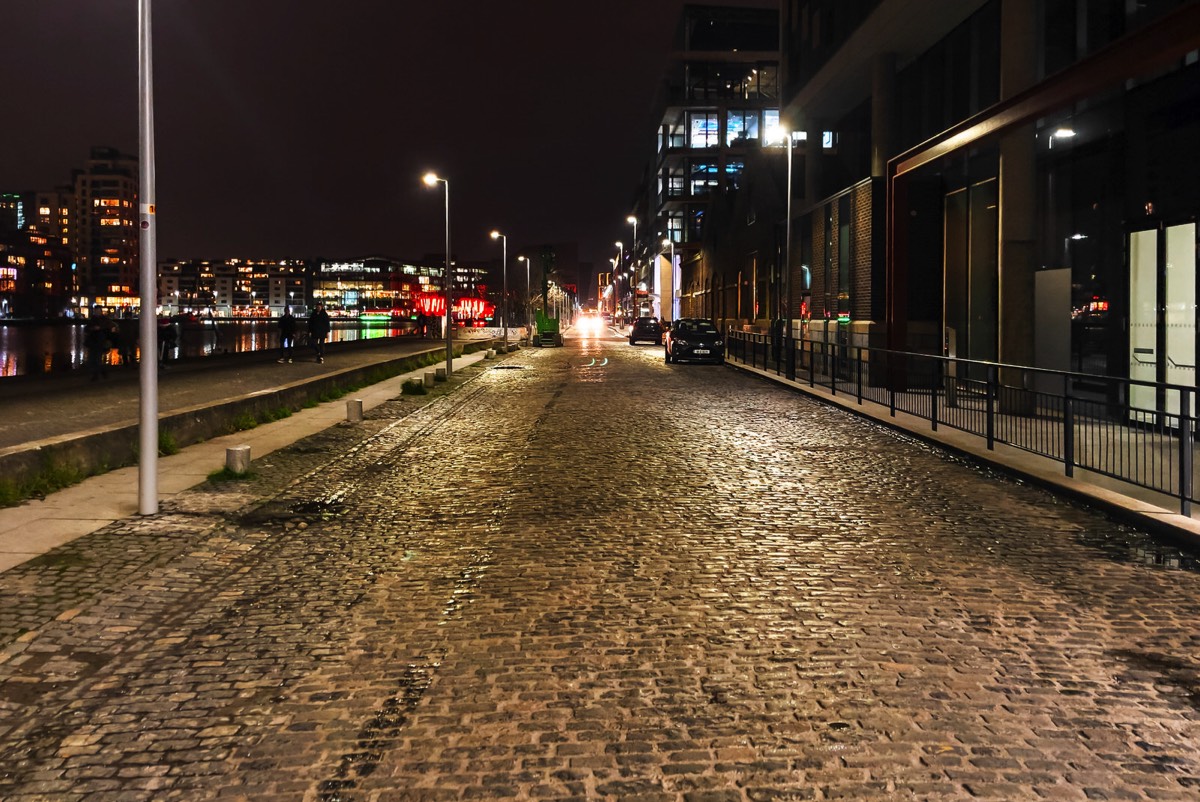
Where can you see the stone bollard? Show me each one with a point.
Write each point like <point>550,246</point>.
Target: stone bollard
<point>354,412</point>
<point>489,353</point>
<point>440,375</point>
<point>237,459</point>
<point>429,374</point>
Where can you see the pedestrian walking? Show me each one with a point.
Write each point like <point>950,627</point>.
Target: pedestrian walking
<point>318,330</point>
<point>287,334</point>
<point>127,338</point>
<point>168,340</point>
<point>97,340</point>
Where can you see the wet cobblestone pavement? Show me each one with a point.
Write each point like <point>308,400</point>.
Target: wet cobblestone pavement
<point>584,574</point>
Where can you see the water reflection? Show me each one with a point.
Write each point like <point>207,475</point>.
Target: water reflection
<point>57,347</point>
<point>1131,546</point>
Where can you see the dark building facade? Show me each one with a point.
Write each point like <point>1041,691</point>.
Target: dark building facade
<point>1010,180</point>
<point>716,117</point>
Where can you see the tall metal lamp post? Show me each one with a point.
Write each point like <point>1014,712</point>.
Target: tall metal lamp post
<point>528,295</point>
<point>786,281</point>
<point>633,221</point>
<point>671,286</point>
<point>148,324</point>
<point>504,268</point>
<point>432,179</point>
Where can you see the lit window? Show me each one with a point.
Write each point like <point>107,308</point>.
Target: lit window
<point>741,125</point>
<point>704,130</point>
<point>44,211</point>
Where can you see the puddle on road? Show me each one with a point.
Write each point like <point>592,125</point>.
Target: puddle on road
<point>322,508</point>
<point>1135,548</point>
<point>1173,669</point>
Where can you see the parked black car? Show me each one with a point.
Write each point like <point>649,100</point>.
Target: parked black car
<point>646,328</point>
<point>694,338</point>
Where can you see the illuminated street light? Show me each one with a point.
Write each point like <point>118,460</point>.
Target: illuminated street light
<point>431,180</point>
<point>786,312</point>
<point>528,296</point>
<point>668,242</point>
<point>504,269</point>
<point>632,220</point>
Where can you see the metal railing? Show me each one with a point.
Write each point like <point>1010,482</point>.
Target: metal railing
<point>1138,432</point>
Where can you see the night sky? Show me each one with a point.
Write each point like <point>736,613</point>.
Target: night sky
<point>301,129</point>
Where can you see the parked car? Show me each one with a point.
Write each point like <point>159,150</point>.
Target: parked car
<point>694,338</point>
<point>646,328</point>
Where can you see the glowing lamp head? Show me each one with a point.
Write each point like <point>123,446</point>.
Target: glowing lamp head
<point>631,219</point>
<point>496,235</point>
<point>430,179</point>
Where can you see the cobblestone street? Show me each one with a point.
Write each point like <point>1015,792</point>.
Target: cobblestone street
<point>585,574</point>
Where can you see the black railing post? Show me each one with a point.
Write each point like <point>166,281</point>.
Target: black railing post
<point>1068,427</point>
<point>991,407</point>
<point>837,368</point>
<point>791,359</point>
<point>891,384</point>
<point>858,378</point>
<point>813,363</point>
<point>933,393</point>
<point>1185,452</point>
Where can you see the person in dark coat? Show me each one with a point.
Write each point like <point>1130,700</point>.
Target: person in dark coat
<point>168,341</point>
<point>318,330</point>
<point>287,334</point>
<point>97,339</point>
<point>127,338</point>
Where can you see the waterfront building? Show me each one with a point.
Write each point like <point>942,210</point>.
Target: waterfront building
<point>372,285</point>
<point>106,231</point>
<point>54,215</point>
<point>233,287</point>
<point>36,276</point>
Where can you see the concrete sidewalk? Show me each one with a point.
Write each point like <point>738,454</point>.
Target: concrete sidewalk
<point>35,527</point>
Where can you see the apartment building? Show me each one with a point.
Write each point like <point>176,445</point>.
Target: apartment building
<point>717,112</point>
<point>233,287</point>
<point>107,247</point>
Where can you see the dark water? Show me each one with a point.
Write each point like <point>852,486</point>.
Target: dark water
<point>56,347</point>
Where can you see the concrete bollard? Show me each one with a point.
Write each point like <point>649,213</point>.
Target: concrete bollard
<point>429,374</point>
<point>237,459</point>
<point>489,353</point>
<point>354,412</point>
<point>440,375</point>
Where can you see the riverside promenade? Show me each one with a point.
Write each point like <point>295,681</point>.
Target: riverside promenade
<point>77,416</point>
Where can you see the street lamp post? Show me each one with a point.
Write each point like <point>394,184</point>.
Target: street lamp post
<point>670,242</point>
<point>528,295</point>
<point>431,179</point>
<point>504,269</point>
<point>632,220</point>
<point>148,324</point>
<point>786,282</point>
